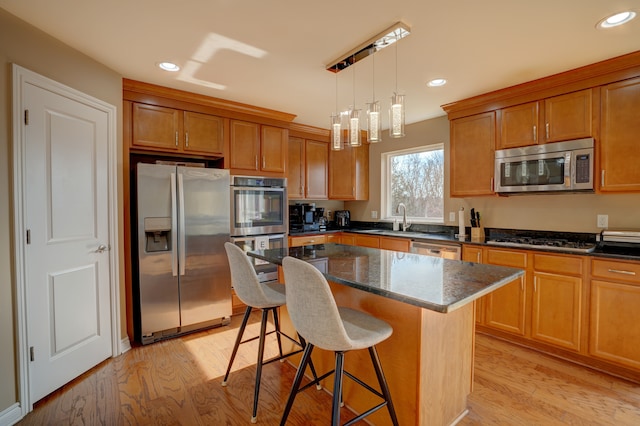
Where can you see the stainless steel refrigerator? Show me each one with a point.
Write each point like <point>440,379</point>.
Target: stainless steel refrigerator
<point>184,282</point>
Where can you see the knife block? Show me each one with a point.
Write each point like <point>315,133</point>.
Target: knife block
<point>477,234</point>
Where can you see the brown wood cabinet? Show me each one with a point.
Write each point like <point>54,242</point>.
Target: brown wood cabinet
<point>349,173</point>
<point>505,308</point>
<point>258,148</point>
<point>472,155</point>
<point>308,169</point>
<point>474,254</point>
<point>615,317</point>
<point>367,241</point>
<point>164,129</point>
<point>619,150</point>
<point>554,119</point>
<point>558,301</point>
<point>395,244</point>
<point>306,240</point>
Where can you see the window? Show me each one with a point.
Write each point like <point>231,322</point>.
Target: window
<point>414,177</point>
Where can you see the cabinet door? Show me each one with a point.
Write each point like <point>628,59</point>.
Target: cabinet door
<point>316,167</point>
<point>619,153</point>
<point>568,117</point>
<point>505,307</point>
<point>203,133</point>
<point>367,241</point>
<point>472,155</point>
<point>245,145</point>
<point>474,254</point>
<point>519,126</point>
<point>615,319</point>
<point>156,127</point>
<point>295,169</point>
<point>273,149</point>
<point>342,174</point>
<point>348,239</point>
<point>557,309</point>
<point>395,244</point>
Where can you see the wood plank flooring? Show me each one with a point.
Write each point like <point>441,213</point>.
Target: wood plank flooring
<point>177,382</point>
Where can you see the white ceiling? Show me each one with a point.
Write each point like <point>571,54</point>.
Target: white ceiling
<point>273,53</point>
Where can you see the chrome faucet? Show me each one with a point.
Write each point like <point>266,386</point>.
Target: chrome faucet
<point>405,225</point>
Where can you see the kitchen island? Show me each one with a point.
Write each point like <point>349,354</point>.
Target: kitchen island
<point>428,301</point>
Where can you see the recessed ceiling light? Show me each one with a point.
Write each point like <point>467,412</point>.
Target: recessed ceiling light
<point>616,19</point>
<point>436,82</point>
<point>169,66</point>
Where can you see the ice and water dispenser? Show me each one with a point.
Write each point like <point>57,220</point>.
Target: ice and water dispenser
<point>157,231</point>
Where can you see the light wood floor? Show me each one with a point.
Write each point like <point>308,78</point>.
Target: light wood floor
<point>177,382</point>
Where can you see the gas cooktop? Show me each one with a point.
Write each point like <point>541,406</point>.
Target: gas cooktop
<point>545,243</point>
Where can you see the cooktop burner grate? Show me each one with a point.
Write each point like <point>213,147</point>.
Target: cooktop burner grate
<point>545,243</point>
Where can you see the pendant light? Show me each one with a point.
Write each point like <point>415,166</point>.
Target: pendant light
<point>374,133</point>
<point>354,116</point>
<point>336,124</point>
<point>396,113</point>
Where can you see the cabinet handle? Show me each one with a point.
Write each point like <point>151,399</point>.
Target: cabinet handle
<point>491,185</point>
<point>263,162</point>
<point>478,257</point>
<point>535,133</point>
<point>602,179</point>
<point>535,284</point>
<point>186,138</point>
<point>176,138</point>
<point>256,158</point>
<point>547,129</point>
<point>620,271</point>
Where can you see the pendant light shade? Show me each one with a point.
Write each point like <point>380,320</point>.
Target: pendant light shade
<point>354,127</point>
<point>336,132</point>
<point>374,133</point>
<point>396,116</point>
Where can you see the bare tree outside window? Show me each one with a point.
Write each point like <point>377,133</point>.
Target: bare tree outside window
<point>417,180</point>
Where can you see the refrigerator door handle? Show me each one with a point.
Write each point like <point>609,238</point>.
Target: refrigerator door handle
<point>174,226</point>
<point>181,229</point>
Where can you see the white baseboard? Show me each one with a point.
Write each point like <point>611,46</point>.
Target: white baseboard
<point>125,345</point>
<point>11,415</point>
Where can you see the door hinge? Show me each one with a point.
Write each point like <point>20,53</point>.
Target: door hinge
<point>26,117</point>
<point>32,354</point>
<point>28,236</point>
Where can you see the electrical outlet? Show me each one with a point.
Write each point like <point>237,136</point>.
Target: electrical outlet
<point>374,214</point>
<point>452,216</point>
<point>603,221</point>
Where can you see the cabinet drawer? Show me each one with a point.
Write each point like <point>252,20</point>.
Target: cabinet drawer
<point>307,240</point>
<point>617,271</point>
<point>557,264</point>
<point>515,259</point>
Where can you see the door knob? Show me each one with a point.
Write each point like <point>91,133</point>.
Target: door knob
<point>101,248</point>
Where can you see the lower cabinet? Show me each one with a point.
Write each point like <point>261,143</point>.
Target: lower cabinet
<point>307,240</point>
<point>474,254</point>
<point>505,307</point>
<point>558,300</point>
<point>615,312</point>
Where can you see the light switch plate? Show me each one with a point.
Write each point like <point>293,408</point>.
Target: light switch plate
<point>374,214</point>
<point>452,216</point>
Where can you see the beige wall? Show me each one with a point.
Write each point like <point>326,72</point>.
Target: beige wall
<point>28,47</point>
<point>557,212</point>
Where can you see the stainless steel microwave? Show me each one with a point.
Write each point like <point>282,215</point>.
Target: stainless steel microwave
<point>556,167</point>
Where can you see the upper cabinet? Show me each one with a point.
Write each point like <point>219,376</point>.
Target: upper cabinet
<point>349,173</point>
<point>619,137</point>
<point>258,148</point>
<point>599,101</point>
<point>472,154</point>
<point>168,129</point>
<point>554,119</point>
<point>308,169</point>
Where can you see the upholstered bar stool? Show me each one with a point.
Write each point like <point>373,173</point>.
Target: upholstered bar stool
<point>256,295</point>
<point>322,323</point>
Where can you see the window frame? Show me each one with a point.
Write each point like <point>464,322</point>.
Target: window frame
<point>387,212</point>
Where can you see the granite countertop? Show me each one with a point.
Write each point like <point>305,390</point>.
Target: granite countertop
<point>429,282</point>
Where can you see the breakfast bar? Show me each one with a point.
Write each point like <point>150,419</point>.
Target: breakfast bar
<point>428,301</point>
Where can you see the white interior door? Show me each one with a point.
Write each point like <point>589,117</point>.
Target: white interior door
<point>66,216</point>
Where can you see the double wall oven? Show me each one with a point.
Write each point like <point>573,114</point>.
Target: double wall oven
<point>259,218</point>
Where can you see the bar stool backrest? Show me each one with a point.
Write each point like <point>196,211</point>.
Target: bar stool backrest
<point>312,307</point>
<point>244,279</point>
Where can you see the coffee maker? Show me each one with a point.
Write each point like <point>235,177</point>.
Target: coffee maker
<point>302,218</point>
<point>319,218</point>
<point>342,218</point>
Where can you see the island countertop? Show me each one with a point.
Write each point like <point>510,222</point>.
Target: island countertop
<point>432,283</point>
